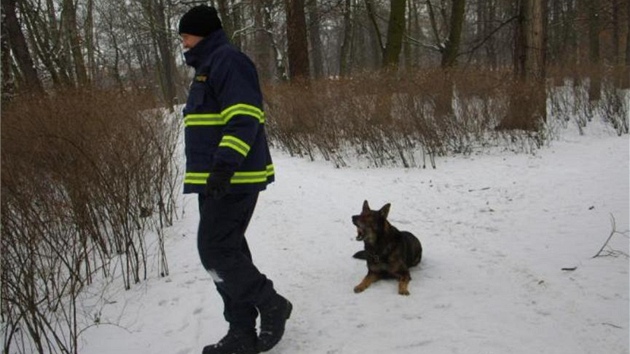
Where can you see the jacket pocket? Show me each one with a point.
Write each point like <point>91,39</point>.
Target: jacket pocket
<point>196,96</point>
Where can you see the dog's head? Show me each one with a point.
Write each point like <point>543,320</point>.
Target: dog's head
<point>370,223</point>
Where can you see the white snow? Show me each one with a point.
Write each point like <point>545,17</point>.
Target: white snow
<point>497,229</point>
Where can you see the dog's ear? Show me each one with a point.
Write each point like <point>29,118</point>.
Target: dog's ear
<point>366,206</point>
<point>385,210</point>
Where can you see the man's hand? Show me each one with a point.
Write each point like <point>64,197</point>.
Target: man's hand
<point>218,184</point>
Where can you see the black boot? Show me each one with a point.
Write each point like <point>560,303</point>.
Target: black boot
<point>273,316</point>
<point>236,341</point>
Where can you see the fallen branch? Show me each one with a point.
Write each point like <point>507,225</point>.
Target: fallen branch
<point>612,233</point>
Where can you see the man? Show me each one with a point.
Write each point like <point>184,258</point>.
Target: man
<point>228,164</point>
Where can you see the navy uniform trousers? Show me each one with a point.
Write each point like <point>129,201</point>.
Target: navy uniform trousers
<point>225,255</point>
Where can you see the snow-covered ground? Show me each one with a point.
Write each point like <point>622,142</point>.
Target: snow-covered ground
<point>497,229</point>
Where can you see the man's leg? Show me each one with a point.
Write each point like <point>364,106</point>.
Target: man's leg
<point>224,252</point>
<point>240,314</point>
<point>225,255</point>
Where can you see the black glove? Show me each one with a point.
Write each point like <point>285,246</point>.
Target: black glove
<point>218,184</point>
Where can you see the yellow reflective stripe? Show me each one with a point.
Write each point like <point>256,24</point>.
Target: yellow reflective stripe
<point>203,119</point>
<point>235,143</point>
<point>196,177</point>
<point>243,109</point>
<point>200,119</point>
<point>249,177</point>
<point>241,177</point>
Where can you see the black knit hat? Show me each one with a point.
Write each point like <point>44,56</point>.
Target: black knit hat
<point>200,21</point>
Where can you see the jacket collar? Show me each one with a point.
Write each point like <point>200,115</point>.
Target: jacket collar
<point>195,55</point>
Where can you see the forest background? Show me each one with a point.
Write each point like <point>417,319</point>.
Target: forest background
<point>90,159</point>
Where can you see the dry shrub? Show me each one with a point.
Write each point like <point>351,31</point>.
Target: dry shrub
<point>85,175</point>
<point>387,118</point>
<point>580,93</point>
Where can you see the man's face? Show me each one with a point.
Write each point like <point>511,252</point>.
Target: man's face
<point>189,40</point>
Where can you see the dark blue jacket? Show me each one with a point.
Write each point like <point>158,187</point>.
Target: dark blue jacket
<point>224,118</point>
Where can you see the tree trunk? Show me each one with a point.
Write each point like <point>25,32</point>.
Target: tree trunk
<point>345,55</point>
<point>451,49</point>
<point>414,29</point>
<point>166,62</point>
<point>395,32</point>
<point>626,79</point>
<point>263,56</point>
<point>296,40</point>
<point>74,41</point>
<point>226,20</point>
<point>594,27</point>
<point>90,45</point>
<point>279,57</point>
<point>628,34</point>
<point>17,42</point>
<point>45,40</point>
<point>8,84</point>
<point>528,98</point>
<point>535,40</point>
<point>315,39</point>
<point>616,48</point>
<point>374,40</point>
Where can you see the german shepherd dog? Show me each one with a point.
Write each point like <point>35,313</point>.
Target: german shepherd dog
<point>389,252</point>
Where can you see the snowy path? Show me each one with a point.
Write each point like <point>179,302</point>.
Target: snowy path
<point>497,230</point>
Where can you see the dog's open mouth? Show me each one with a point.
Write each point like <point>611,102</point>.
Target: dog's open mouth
<point>360,235</point>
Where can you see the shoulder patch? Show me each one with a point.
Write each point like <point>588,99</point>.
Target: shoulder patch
<point>201,78</point>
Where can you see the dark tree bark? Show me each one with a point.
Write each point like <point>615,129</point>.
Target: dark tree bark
<point>616,23</point>
<point>17,43</point>
<point>626,80</point>
<point>164,61</point>
<point>345,55</point>
<point>527,101</point>
<point>451,49</point>
<point>74,41</point>
<point>594,28</point>
<point>296,40</point>
<point>262,49</point>
<point>395,32</point>
<point>8,84</point>
<point>628,34</point>
<point>315,39</point>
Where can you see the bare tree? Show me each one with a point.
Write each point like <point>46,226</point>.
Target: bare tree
<point>395,32</point>
<point>154,11</point>
<point>527,101</point>
<point>594,13</point>
<point>451,48</point>
<point>628,34</point>
<point>17,44</point>
<point>626,83</point>
<point>533,64</point>
<point>69,19</point>
<point>345,57</point>
<point>8,84</point>
<point>297,43</point>
<point>315,39</point>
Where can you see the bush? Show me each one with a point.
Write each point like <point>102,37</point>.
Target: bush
<point>390,119</point>
<point>85,174</point>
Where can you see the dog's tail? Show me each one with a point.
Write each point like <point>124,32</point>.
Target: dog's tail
<point>413,249</point>
<point>360,255</point>
<point>417,258</point>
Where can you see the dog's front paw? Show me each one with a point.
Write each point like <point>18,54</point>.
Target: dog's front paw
<point>404,292</point>
<point>359,289</point>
